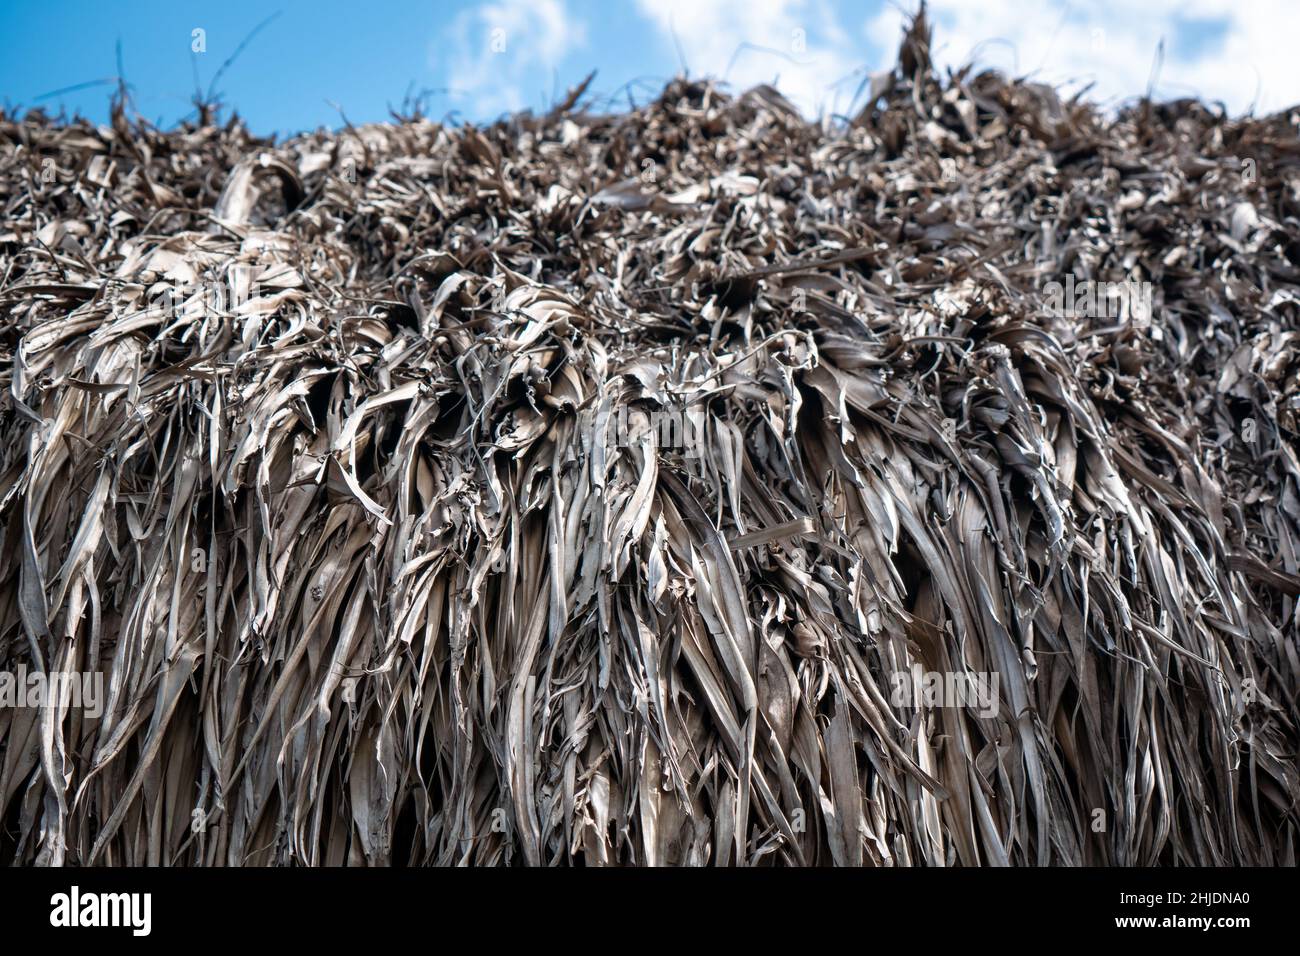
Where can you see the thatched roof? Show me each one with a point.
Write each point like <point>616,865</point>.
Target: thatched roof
<point>692,485</point>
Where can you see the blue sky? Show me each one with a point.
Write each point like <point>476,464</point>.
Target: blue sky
<point>477,60</point>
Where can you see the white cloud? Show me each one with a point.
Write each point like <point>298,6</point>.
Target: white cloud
<point>493,51</point>
<point>1242,54</point>
<point>1228,50</point>
<point>799,43</point>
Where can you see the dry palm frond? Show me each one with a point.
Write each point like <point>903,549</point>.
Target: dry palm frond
<point>585,488</point>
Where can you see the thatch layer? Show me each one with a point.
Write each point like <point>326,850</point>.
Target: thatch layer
<point>576,489</point>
